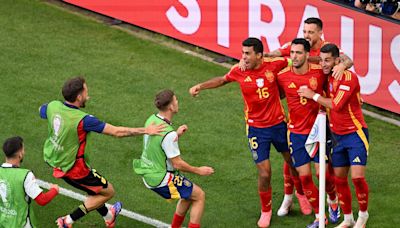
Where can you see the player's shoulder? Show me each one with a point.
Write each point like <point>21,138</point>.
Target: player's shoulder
<point>235,67</point>
<point>284,70</point>
<point>273,59</point>
<point>315,67</point>
<point>349,76</point>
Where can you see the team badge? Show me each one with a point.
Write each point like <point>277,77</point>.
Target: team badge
<point>255,155</point>
<point>270,76</point>
<point>313,83</point>
<point>260,82</point>
<point>187,183</point>
<point>330,87</point>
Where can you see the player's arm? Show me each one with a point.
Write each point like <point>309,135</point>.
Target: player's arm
<point>171,148</point>
<point>276,53</point>
<point>118,131</point>
<point>345,63</point>
<point>43,111</point>
<point>310,94</point>
<point>210,84</point>
<point>33,190</point>
<point>180,164</point>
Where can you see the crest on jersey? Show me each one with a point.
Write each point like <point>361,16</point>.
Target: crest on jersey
<point>4,189</point>
<point>187,183</point>
<point>57,124</point>
<point>313,83</point>
<point>270,76</point>
<point>260,82</point>
<point>255,155</point>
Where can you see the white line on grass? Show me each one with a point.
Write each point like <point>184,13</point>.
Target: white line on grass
<point>124,212</point>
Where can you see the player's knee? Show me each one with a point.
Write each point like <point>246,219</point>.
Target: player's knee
<point>110,192</point>
<point>265,175</point>
<point>199,195</point>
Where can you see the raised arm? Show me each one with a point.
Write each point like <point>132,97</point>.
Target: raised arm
<point>117,131</point>
<point>345,63</point>
<point>210,84</point>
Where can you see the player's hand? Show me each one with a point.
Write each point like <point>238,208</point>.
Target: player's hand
<point>154,129</point>
<point>242,65</point>
<point>338,70</point>
<point>55,186</point>
<point>181,129</point>
<point>305,92</point>
<point>205,171</point>
<point>195,90</point>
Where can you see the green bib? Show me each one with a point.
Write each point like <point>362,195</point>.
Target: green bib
<point>152,164</point>
<point>14,208</point>
<point>62,144</point>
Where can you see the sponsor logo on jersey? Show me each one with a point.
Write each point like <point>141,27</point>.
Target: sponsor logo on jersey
<point>292,86</point>
<point>247,79</point>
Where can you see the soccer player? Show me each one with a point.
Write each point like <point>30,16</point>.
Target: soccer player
<point>161,162</point>
<point>264,114</point>
<point>302,115</point>
<point>18,186</point>
<point>350,131</point>
<point>312,32</point>
<point>66,150</point>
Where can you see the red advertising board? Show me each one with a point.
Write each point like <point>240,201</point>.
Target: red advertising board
<point>221,26</point>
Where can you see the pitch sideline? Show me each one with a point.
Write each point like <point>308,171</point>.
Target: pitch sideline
<point>124,212</point>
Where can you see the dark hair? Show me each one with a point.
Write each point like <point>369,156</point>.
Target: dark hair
<point>12,145</point>
<point>314,20</point>
<point>303,42</point>
<point>255,43</point>
<point>163,99</point>
<point>331,48</point>
<point>72,88</point>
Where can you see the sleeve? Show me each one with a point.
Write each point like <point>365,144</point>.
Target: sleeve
<point>31,187</point>
<point>91,123</point>
<point>43,111</point>
<point>285,49</point>
<point>345,91</point>
<point>170,145</point>
<point>231,75</point>
<point>279,63</point>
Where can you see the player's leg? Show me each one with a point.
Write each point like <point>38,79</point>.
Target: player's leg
<point>181,209</point>
<point>198,199</point>
<point>341,165</point>
<point>99,191</point>
<point>358,153</point>
<point>259,143</point>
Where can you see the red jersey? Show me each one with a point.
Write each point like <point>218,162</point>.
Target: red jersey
<point>302,111</point>
<point>260,92</point>
<point>346,115</point>
<point>285,49</point>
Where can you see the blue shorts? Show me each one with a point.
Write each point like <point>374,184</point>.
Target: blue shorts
<point>351,149</point>
<point>260,140</point>
<point>178,187</point>
<point>298,151</point>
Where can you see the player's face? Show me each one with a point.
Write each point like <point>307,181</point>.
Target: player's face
<point>327,62</point>
<point>312,33</point>
<point>83,96</point>
<point>174,106</point>
<point>298,55</point>
<point>250,58</point>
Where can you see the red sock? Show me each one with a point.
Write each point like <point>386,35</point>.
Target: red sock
<point>297,184</point>
<point>265,200</point>
<point>287,179</point>
<point>361,186</point>
<point>344,194</point>
<point>311,191</point>
<point>177,221</point>
<point>192,225</point>
<point>329,184</point>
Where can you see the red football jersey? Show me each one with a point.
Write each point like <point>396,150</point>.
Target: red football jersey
<point>285,49</point>
<point>302,111</point>
<point>260,92</point>
<point>346,115</point>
